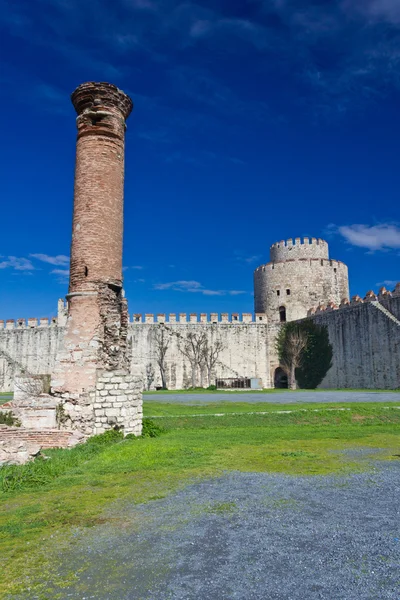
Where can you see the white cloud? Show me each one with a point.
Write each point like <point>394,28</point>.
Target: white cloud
<point>59,260</point>
<point>62,275</point>
<point>179,286</point>
<point>195,287</point>
<point>388,282</point>
<point>385,236</point>
<point>18,264</point>
<point>379,10</point>
<point>252,258</point>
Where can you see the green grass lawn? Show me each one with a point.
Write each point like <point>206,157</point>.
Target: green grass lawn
<point>164,409</point>
<point>263,391</point>
<point>44,505</point>
<point>4,397</point>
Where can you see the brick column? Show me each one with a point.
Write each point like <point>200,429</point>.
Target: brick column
<point>97,323</point>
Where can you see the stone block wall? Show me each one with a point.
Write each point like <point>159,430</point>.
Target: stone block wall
<point>366,345</point>
<point>117,402</point>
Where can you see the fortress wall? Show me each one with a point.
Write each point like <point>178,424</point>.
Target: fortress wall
<point>366,345</point>
<point>244,353</point>
<point>33,348</point>
<point>309,280</point>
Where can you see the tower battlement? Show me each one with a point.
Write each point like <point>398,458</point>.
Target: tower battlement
<point>299,248</point>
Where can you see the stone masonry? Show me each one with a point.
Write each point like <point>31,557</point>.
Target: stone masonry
<point>118,402</point>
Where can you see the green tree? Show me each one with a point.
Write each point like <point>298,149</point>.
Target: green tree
<point>314,360</point>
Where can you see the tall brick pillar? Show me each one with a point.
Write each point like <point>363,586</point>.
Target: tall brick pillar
<point>97,324</point>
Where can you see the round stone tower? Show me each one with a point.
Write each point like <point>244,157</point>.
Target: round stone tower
<point>300,275</point>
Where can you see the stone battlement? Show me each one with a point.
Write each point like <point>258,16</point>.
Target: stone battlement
<point>382,296</point>
<point>212,318</point>
<point>300,247</point>
<point>28,323</point>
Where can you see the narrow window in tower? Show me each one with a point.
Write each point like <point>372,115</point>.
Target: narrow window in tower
<point>282,314</point>
<point>287,292</point>
<point>86,271</point>
<point>278,293</point>
<point>322,262</point>
<point>334,270</point>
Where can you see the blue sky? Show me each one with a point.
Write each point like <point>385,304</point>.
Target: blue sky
<point>254,121</point>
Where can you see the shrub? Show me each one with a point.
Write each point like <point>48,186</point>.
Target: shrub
<point>317,356</point>
<point>7,418</point>
<point>212,387</point>
<point>149,429</point>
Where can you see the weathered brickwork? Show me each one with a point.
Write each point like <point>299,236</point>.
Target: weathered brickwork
<point>96,329</point>
<point>50,438</point>
<point>95,339</point>
<point>298,276</point>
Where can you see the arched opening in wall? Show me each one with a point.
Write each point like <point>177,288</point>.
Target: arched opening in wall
<point>282,314</point>
<point>280,378</point>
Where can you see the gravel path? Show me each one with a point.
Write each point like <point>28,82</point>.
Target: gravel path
<point>275,398</point>
<point>249,536</point>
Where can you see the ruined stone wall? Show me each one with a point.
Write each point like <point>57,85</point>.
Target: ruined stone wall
<point>366,344</point>
<point>299,276</point>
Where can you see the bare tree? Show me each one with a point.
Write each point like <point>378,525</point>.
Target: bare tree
<point>26,384</point>
<point>211,352</point>
<point>192,346</point>
<point>150,375</point>
<point>31,386</point>
<point>293,344</point>
<point>162,339</point>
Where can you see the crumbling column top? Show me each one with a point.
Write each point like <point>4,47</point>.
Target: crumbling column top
<point>101,95</point>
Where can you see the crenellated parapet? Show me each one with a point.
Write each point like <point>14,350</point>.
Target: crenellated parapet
<point>31,323</point>
<point>148,318</point>
<point>299,248</point>
<point>204,318</point>
<point>34,322</point>
<point>382,297</point>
